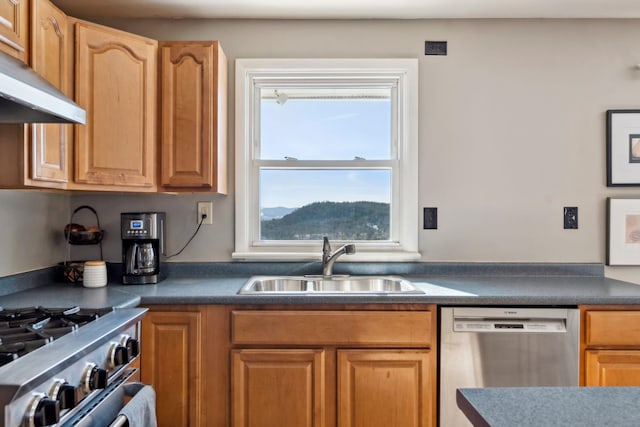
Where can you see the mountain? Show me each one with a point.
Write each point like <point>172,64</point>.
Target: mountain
<point>337,220</point>
<point>274,213</point>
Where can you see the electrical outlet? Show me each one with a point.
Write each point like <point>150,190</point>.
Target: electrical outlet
<point>205,208</point>
<point>571,217</point>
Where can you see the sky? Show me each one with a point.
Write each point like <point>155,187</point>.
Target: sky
<point>324,130</point>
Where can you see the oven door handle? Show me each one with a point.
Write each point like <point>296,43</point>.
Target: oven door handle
<point>120,421</point>
<point>140,410</point>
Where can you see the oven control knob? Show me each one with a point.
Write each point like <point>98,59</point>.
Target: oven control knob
<point>132,344</point>
<point>64,393</point>
<point>43,411</point>
<point>94,378</point>
<point>118,355</point>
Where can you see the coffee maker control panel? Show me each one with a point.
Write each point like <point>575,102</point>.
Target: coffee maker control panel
<point>143,225</point>
<point>136,228</point>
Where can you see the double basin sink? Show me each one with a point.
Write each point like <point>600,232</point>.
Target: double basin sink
<point>321,285</point>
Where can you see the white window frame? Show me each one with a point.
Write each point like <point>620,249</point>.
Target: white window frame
<point>250,75</point>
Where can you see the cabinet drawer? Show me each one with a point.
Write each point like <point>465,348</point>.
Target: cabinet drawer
<point>352,328</point>
<point>605,328</point>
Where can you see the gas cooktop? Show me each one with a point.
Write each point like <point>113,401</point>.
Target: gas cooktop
<point>23,330</point>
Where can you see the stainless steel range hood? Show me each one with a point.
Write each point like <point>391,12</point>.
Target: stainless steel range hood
<point>25,97</point>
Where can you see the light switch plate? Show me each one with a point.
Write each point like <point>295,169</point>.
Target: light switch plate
<point>430,219</point>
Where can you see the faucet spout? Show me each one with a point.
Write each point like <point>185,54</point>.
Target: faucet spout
<point>329,258</point>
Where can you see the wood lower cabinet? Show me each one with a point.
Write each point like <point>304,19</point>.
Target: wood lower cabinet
<point>115,77</point>
<point>277,388</point>
<point>14,21</point>
<point>611,342</point>
<point>176,373</point>
<point>612,368</point>
<point>184,356</point>
<point>380,388</point>
<point>329,368</point>
<point>194,116</point>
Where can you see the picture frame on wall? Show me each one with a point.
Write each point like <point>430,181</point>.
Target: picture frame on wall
<point>623,148</point>
<point>623,231</point>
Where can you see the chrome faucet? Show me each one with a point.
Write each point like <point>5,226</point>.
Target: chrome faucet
<point>328,258</point>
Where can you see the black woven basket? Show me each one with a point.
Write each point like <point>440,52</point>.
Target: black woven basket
<point>72,271</point>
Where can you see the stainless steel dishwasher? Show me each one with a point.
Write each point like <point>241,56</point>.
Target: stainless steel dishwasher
<point>505,347</point>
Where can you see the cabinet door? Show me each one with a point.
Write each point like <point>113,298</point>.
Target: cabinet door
<point>116,75</point>
<point>278,388</point>
<point>172,364</point>
<point>612,368</point>
<point>50,143</point>
<point>194,94</point>
<point>13,27</point>
<point>381,388</point>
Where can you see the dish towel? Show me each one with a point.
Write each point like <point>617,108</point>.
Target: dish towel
<point>141,409</point>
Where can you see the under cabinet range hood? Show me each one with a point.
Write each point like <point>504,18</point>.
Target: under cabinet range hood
<point>26,97</point>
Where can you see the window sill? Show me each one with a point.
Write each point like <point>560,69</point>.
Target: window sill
<point>395,256</point>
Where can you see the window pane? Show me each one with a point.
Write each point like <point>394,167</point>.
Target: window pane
<point>325,124</point>
<point>310,204</point>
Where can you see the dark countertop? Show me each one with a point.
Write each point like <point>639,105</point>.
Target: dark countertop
<point>474,290</point>
<point>551,406</point>
<point>554,285</point>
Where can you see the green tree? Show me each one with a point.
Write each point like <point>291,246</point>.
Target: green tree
<point>337,220</point>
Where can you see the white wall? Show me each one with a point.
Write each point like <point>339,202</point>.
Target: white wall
<point>512,128</point>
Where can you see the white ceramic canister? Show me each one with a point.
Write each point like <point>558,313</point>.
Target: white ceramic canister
<point>94,274</point>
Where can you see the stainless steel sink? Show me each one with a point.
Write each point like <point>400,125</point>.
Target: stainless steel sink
<point>307,285</point>
<point>261,285</point>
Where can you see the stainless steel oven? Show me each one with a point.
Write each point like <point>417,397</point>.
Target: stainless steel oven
<point>64,367</point>
<point>505,347</point>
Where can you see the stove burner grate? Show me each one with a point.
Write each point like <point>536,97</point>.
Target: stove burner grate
<point>23,330</point>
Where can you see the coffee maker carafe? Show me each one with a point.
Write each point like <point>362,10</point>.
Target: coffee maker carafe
<point>142,245</point>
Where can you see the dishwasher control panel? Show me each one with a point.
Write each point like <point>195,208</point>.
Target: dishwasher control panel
<point>470,319</point>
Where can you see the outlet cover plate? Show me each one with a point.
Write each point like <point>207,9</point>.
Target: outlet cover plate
<point>207,208</point>
<point>570,217</point>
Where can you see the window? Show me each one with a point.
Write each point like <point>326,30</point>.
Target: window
<point>326,148</point>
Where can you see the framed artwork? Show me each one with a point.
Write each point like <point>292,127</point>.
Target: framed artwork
<point>623,231</point>
<point>623,148</point>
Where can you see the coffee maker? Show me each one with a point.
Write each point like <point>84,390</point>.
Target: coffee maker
<point>143,242</point>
